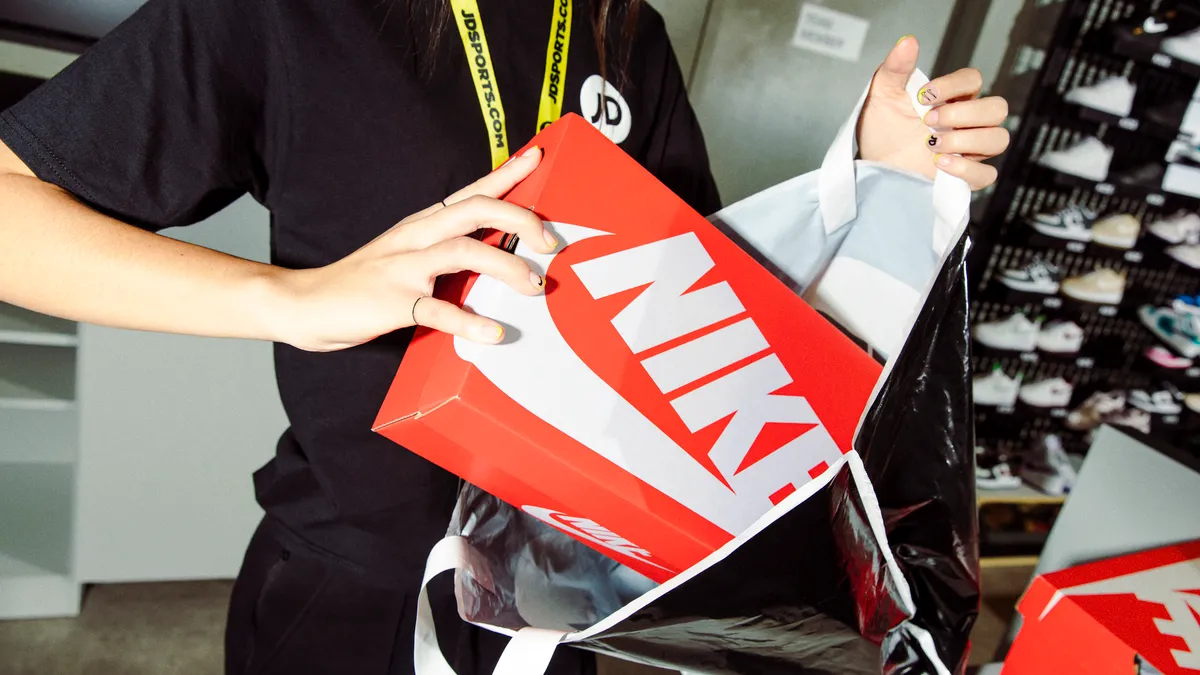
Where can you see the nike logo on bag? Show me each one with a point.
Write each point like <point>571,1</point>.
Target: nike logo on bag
<point>589,530</point>
<point>546,376</point>
<point>1152,26</point>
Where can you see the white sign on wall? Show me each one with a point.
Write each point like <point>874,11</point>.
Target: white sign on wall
<point>829,32</point>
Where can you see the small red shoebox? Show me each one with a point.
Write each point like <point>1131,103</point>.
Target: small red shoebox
<point>662,394</point>
<point>1099,618</point>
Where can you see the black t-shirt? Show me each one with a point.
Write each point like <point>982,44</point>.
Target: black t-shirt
<point>326,113</point>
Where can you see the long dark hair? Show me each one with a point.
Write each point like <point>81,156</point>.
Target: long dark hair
<point>605,15</point>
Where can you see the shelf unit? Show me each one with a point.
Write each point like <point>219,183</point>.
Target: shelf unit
<point>1020,495</point>
<point>39,448</point>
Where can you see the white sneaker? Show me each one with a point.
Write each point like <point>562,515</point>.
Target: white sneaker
<point>1188,254</point>
<point>1048,468</point>
<point>1117,231</point>
<point>996,389</point>
<point>1158,403</point>
<point>1103,286</point>
<point>1113,95</point>
<point>1182,227</point>
<point>1052,393</point>
<point>1178,331</point>
<point>1016,333</point>
<point>1060,337</point>
<point>1073,222</point>
<point>1088,159</point>
<point>1038,276</point>
<point>1185,47</point>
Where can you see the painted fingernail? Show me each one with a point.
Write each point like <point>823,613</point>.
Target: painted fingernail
<point>550,240</point>
<point>492,333</point>
<point>904,38</point>
<point>927,95</point>
<point>531,151</point>
<point>536,279</point>
<point>931,118</point>
<point>933,140</point>
<point>943,161</point>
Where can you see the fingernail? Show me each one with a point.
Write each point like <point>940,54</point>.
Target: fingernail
<point>933,140</point>
<point>904,38</point>
<point>931,118</point>
<point>550,240</point>
<point>536,279</point>
<point>943,161</point>
<point>492,333</point>
<point>927,95</point>
<point>531,151</point>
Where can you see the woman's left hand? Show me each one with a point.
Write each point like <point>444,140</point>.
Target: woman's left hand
<point>966,128</point>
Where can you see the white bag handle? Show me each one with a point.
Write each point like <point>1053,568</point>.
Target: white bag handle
<point>837,183</point>
<point>529,651</point>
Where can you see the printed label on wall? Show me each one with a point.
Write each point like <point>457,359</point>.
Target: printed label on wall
<point>832,33</point>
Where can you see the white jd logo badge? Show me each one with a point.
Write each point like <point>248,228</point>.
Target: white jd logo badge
<point>605,108</point>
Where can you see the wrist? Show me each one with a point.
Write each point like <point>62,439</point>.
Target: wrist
<point>277,297</point>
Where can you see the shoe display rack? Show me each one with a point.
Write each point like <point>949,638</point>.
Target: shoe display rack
<point>1072,262</point>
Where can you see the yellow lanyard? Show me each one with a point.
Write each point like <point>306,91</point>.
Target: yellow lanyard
<point>479,60</point>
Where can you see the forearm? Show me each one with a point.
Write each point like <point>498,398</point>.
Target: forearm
<point>59,257</point>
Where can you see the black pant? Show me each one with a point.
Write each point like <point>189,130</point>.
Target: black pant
<point>294,611</point>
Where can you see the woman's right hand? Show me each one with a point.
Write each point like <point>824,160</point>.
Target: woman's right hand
<point>382,286</point>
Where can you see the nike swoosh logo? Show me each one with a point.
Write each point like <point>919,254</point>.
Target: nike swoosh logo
<point>1152,26</point>
<point>541,372</point>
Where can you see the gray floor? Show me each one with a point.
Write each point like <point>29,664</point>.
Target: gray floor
<point>175,629</point>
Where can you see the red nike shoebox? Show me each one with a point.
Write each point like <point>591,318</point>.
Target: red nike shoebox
<point>662,394</point>
<point>1104,617</point>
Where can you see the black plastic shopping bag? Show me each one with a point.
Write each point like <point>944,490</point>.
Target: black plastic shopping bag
<point>870,568</point>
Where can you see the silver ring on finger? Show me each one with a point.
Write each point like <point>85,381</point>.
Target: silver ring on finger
<point>414,309</point>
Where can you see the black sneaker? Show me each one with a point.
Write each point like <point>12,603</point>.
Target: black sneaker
<point>992,471</point>
<point>1038,276</point>
<point>1169,115</point>
<point>1148,176</point>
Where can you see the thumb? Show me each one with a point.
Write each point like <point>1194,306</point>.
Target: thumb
<point>899,64</point>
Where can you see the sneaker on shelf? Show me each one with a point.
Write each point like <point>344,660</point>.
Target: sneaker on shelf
<point>1016,333</point>
<point>1165,358</point>
<point>1188,254</point>
<point>1182,227</point>
<point>1117,231</point>
<point>1060,337</point>
<point>1178,331</point>
<point>1157,403</point>
<point>1104,286</point>
<point>1192,401</point>
<point>996,389</point>
<point>1048,468</point>
<point>1088,159</point>
<point>1185,47</point>
<point>1037,276</point>
<point>1091,413</point>
<point>1169,114</point>
<point>993,472</point>
<point>1130,418</point>
<point>1186,304</point>
<point>1072,222</point>
<point>1113,95</point>
<point>1148,176</point>
<point>1051,393</point>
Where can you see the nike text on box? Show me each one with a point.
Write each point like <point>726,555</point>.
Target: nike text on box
<point>662,394</point>
<point>1099,617</point>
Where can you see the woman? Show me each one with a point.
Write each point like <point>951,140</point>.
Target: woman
<point>342,118</point>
